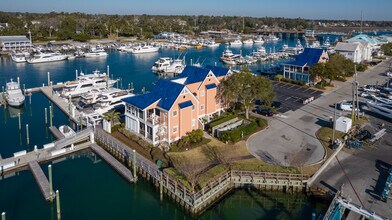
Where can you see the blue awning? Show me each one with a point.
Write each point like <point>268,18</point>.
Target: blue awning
<point>185,104</point>
<point>211,86</point>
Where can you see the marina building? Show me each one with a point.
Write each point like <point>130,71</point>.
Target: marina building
<point>176,106</point>
<point>8,43</point>
<point>352,51</point>
<point>299,69</point>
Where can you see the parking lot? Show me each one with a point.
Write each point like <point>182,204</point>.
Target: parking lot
<point>292,97</point>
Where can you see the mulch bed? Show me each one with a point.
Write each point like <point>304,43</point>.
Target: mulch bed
<point>132,144</point>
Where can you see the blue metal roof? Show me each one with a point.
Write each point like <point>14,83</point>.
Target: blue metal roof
<point>185,104</point>
<point>309,57</point>
<point>218,71</point>
<point>211,86</point>
<point>194,74</point>
<point>165,91</point>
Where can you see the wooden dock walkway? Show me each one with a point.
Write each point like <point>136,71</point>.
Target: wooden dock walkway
<point>41,180</point>
<point>71,111</point>
<point>113,162</point>
<point>56,132</point>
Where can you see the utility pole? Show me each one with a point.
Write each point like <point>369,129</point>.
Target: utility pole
<point>361,20</point>
<point>333,125</point>
<point>353,102</point>
<point>356,91</point>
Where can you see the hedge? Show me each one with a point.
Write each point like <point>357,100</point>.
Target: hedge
<point>235,135</point>
<point>220,121</point>
<point>146,145</point>
<point>261,122</point>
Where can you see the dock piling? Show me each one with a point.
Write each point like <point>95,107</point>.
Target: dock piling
<point>134,164</point>
<point>19,123</point>
<point>69,104</point>
<point>58,205</point>
<point>49,79</point>
<point>50,180</point>
<point>30,98</point>
<point>27,134</point>
<point>50,116</point>
<point>46,116</point>
<point>3,216</point>
<point>18,81</point>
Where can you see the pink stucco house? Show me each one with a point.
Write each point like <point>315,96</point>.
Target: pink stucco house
<point>176,106</point>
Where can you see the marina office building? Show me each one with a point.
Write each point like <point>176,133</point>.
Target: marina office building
<point>176,106</point>
<point>299,69</point>
<point>8,43</point>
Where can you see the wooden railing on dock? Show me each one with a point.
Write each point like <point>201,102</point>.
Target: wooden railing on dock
<point>196,202</point>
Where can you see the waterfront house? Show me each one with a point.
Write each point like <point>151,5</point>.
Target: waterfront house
<point>299,69</point>
<point>176,106</point>
<point>352,51</point>
<point>8,43</point>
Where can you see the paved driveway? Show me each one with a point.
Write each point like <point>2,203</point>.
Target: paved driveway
<point>291,140</point>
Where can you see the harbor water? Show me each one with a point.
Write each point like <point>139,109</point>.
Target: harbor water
<point>89,188</point>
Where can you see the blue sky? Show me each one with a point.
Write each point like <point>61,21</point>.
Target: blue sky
<point>331,9</point>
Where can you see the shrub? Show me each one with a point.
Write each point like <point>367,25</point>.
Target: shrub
<point>146,145</point>
<point>278,78</point>
<point>236,134</point>
<point>117,126</point>
<point>261,122</point>
<point>195,136</point>
<point>220,121</point>
<point>362,67</point>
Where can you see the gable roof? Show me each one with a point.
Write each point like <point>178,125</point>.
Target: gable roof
<point>218,71</point>
<point>364,37</point>
<point>165,91</point>
<point>350,47</point>
<point>6,39</point>
<point>193,74</point>
<point>309,57</point>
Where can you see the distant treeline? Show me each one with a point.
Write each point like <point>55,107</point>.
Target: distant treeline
<point>80,26</point>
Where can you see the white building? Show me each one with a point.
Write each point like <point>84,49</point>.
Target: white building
<point>352,51</point>
<point>8,43</point>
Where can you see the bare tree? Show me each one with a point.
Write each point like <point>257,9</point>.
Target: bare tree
<point>186,168</point>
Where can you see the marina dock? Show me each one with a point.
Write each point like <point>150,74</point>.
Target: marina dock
<point>113,162</point>
<point>41,180</point>
<point>56,132</point>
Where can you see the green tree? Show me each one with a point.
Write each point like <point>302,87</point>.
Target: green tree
<point>244,88</point>
<point>111,116</point>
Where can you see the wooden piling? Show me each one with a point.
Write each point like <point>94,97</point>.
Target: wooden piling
<point>58,205</point>
<point>50,116</point>
<point>46,116</point>
<point>3,216</point>
<point>19,123</point>
<point>50,180</point>
<point>27,134</point>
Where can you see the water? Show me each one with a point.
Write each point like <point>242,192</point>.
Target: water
<point>93,190</point>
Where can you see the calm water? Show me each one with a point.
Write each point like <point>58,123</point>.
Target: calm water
<point>90,189</point>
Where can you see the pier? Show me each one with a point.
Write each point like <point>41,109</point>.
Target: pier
<point>113,162</point>
<point>41,180</point>
<point>56,132</point>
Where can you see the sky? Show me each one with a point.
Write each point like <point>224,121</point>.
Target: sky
<point>310,9</point>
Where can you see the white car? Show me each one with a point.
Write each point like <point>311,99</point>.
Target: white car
<point>388,73</point>
<point>346,106</point>
<point>369,88</point>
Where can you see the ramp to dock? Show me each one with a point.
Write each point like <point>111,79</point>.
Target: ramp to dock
<point>120,168</point>
<point>56,133</point>
<point>41,180</point>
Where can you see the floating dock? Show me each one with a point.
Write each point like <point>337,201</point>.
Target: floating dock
<point>56,132</point>
<point>41,180</point>
<point>113,162</point>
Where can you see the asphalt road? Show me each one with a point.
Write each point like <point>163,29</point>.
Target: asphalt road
<point>290,139</point>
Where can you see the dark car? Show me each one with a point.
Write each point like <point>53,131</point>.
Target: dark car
<point>263,111</point>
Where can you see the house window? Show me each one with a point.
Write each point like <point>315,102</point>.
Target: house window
<point>193,107</point>
<point>175,128</point>
<point>174,113</point>
<point>141,114</point>
<point>202,107</point>
<point>193,122</point>
<point>202,93</point>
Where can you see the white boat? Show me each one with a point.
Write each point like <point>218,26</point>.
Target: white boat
<point>13,94</point>
<point>46,57</point>
<point>381,109</point>
<point>236,43</point>
<point>327,43</point>
<point>19,57</point>
<point>161,64</point>
<point>170,66</point>
<point>212,44</point>
<point>272,37</point>
<point>382,100</point>
<point>86,83</point>
<point>315,44</point>
<point>96,52</point>
<point>258,40</point>
<point>66,130</point>
<point>248,42</point>
<point>144,49</point>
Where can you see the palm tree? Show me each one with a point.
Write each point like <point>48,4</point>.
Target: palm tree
<point>111,116</point>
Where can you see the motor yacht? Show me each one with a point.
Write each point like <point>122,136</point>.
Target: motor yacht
<point>236,43</point>
<point>13,94</point>
<point>19,57</point>
<point>144,49</point>
<point>170,66</point>
<point>212,44</point>
<point>258,40</point>
<point>162,63</point>
<point>46,57</point>
<point>86,83</point>
<point>248,42</point>
<point>381,109</point>
<point>96,52</point>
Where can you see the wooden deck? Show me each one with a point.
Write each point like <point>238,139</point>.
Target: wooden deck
<point>113,162</point>
<point>41,180</point>
<point>56,132</point>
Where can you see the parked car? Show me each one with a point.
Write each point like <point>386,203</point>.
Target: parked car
<point>346,105</point>
<point>263,111</point>
<point>388,73</point>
